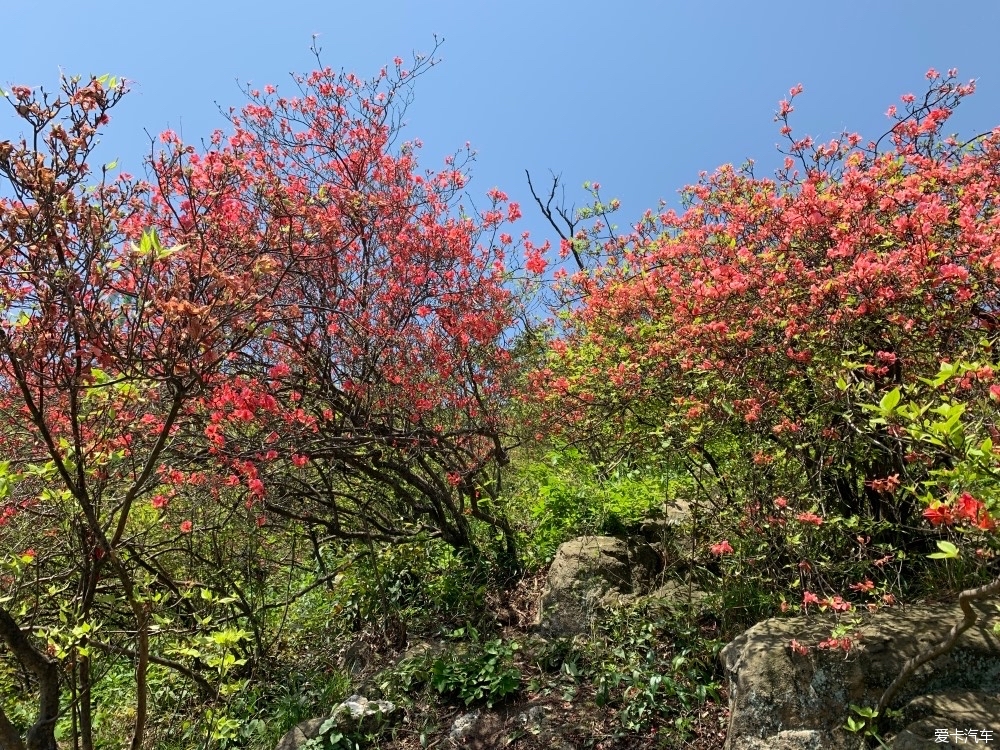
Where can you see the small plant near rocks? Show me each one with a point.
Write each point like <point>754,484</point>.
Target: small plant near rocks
<point>485,674</point>
<point>478,672</point>
<point>867,724</point>
<point>654,667</point>
<point>330,738</point>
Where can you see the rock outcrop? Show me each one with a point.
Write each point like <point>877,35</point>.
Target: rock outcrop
<point>354,715</point>
<point>589,573</point>
<point>781,699</point>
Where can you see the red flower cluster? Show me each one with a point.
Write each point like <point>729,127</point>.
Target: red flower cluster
<point>965,509</point>
<point>836,643</point>
<point>837,603</point>
<point>722,548</point>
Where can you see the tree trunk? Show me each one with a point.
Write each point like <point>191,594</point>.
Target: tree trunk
<point>9,738</point>
<point>86,717</point>
<point>141,668</point>
<point>41,736</point>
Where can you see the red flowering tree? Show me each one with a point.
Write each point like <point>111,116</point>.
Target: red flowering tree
<point>753,331</point>
<point>294,326</point>
<point>369,408</point>
<point>108,342</point>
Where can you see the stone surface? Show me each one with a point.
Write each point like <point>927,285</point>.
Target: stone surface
<point>358,714</point>
<point>532,726</point>
<point>971,712</point>
<point>674,593</point>
<point>421,648</point>
<point>588,574</point>
<point>801,700</point>
<point>801,739</point>
<point>666,522</point>
<point>301,733</point>
<point>463,726</point>
<point>355,714</point>
<point>533,718</point>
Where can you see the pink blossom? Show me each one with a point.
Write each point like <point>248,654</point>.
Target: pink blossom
<point>722,548</point>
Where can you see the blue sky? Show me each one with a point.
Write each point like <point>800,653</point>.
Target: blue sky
<point>640,96</point>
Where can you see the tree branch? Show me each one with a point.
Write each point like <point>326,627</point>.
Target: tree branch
<point>203,685</point>
<point>965,600</point>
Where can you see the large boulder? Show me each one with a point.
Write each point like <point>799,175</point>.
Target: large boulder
<point>962,717</point>
<point>589,574</point>
<point>355,715</point>
<point>781,699</point>
<point>669,531</point>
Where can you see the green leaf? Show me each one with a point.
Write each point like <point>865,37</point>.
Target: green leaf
<point>948,551</point>
<point>889,400</point>
<point>866,711</point>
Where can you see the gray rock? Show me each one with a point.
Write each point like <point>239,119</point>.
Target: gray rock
<point>464,725</point>
<point>590,573</point>
<point>666,521</point>
<point>358,714</point>
<point>677,593</point>
<point>301,733</point>
<point>967,711</point>
<point>672,530</point>
<point>533,720</point>
<point>668,525</point>
<point>420,649</point>
<point>920,736</point>
<point>777,695</point>
<point>801,739</point>
<point>967,708</point>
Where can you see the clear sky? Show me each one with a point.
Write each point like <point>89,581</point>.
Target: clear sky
<point>636,94</point>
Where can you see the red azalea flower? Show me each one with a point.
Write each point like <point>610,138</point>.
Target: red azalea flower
<point>967,508</point>
<point>939,514</point>
<point>722,548</point>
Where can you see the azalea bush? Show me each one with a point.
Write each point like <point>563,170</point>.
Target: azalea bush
<point>767,332</point>
<point>99,371</point>
<point>369,407</point>
<point>284,344</point>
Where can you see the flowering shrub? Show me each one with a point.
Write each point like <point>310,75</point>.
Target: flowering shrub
<point>789,331</point>
<point>294,324</point>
